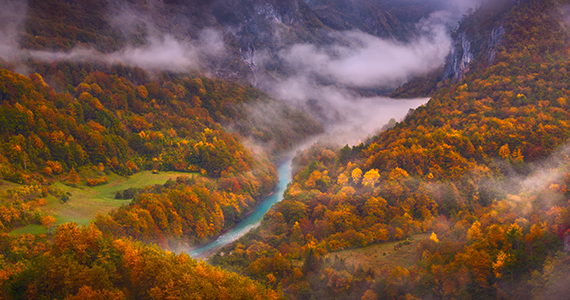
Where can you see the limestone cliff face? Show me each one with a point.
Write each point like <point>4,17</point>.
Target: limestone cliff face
<point>476,40</point>
<point>463,53</point>
<point>261,28</point>
<point>459,58</point>
<point>495,40</point>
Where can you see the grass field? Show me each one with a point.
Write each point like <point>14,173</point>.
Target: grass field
<point>4,187</point>
<point>382,257</point>
<point>86,202</point>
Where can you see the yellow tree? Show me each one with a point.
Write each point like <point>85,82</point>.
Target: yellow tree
<point>474,232</point>
<point>371,178</point>
<point>356,174</point>
<point>48,222</point>
<point>505,152</point>
<point>433,237</point>
<point>342,179</point>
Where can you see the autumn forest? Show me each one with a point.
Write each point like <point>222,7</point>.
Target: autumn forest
<point>115,162</point>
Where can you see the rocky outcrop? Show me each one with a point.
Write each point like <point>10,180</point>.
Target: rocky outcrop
<point>495,41</point>
<point>463,52</point>
<point>566,241</point>
<point>459,59</point>
<point>477,39</point>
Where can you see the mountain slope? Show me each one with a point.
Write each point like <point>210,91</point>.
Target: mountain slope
<point>483,165</point>
<point>250,30</point>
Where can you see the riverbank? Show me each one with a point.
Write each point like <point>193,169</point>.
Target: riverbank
<point>253,218</point>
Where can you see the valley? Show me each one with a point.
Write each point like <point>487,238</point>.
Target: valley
<point>248,149</point>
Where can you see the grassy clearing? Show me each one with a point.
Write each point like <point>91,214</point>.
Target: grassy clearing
<point>4,187</point>
<point>382,257</point>
<point>86,202</point>
<point>33,229</point>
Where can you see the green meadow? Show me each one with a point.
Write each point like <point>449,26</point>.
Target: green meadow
<point>86,202</point>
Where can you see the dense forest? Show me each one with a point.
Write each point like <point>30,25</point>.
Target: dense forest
<point>81,122</point>
<point>470,167</point>
<point>80,263</point>
<point>471,188</point>
<point>80,137</point>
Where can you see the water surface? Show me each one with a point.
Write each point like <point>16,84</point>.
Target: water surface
<point>254,219</point>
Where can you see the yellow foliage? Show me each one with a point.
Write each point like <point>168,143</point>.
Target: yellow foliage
<point>433,237</point>
<point>504,152</point>
<point>499,264</point>
<point>371,178</point>
<point>398,174</point>
<point>474,232</point>
<point>356,175</point>
<point>342,179</point>
<point>143,92</point>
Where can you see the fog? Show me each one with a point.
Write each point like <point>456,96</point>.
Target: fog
<point>354,60</point>
<point>539,185</point>
<point>160,53</point>
<point>358,60</point>
<point>160,50</point>
<point>534,186</point>
<point>12,17</point>
<point>365,60</point>
<point>347,117</point>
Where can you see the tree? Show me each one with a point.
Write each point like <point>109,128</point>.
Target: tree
<point>87,293</point>
<point>433,237</point>
<point>356,174</point>
<point>48,222</point>
<point>504,151</point>
<point>371,178</point>
<point>73,177</point>
<point>342,179</point>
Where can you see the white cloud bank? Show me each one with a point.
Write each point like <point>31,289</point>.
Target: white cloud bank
<point>368,61</point>
<point>160,53</point>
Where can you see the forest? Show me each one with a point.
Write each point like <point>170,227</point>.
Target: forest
<point>468,195</point>
<point>483,167</point>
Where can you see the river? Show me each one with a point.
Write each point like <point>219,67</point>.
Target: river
<point>252,220</point>
<point>372,114</point>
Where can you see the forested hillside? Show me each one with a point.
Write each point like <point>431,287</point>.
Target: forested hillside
<point>105,123</point>
<point>483,165</point>
<point>80,123</point>
<point>109,122</point>
<point>465,198</point>
<point>82,264</point>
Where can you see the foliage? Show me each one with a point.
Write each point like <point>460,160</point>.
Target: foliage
<point>450,168</point>
<point>82,264</point>
<point>190,210</point>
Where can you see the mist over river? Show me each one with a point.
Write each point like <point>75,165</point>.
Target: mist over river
<point>374,113</point>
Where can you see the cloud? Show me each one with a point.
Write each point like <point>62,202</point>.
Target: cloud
<point>348,117</point>
<point>159,53</point>
<point>534,187</point>
<point>363,60</point>
<point>357,59</point>
<point>12,16</point>
<point>462,5</point>
<point>149,47</point>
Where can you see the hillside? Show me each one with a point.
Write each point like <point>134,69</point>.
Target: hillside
<point>241,41</point>
<point>483,165</point>
<point>82,264</point>
<point>87,115</point>
<point>466,197</point>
